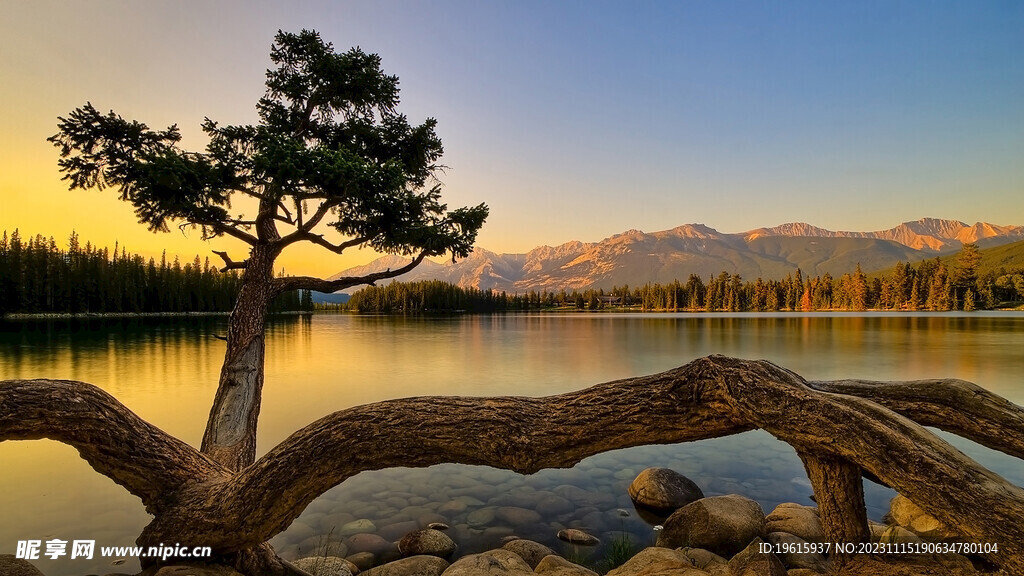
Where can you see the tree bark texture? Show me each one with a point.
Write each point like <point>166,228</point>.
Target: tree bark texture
<point>230,436</point>
<point>838,427</point>
<point>839,492</point>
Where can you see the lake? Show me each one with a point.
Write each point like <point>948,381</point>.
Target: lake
<point>166,371</point>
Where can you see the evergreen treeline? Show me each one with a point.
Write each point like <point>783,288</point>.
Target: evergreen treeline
<point>38,277</point>
<point>930,285</point>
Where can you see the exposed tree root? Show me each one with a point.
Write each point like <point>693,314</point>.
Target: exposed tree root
<point>838,428</point>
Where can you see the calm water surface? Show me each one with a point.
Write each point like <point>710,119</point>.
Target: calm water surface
<point>166,371</point>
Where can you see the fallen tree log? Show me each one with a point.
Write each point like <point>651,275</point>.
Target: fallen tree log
<point>836,427</point>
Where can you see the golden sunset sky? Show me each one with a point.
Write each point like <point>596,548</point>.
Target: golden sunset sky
<point>573,120</point>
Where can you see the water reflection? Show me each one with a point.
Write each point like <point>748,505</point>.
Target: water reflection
<point>166,370</point>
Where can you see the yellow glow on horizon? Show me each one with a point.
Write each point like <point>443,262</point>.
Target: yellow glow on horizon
<point>36,201</point>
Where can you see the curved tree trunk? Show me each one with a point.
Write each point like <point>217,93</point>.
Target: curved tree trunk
<point>230,436</point>
<point>837,432</point>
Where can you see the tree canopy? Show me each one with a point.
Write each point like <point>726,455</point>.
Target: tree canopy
<point>330,148</point>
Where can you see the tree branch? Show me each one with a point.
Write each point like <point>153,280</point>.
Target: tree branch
<point>322,210</point>
<point>230,264</point>
<point>710,397</point>
<point>327,286</point>
<point>148,462</point>
<point>956,406</point>
<point>318,239</point>
<point>229,230</point>
<point>707,398</point>
<point>521,434</point>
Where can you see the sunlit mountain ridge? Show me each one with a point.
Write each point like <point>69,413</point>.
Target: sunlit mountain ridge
<point>635,257</point>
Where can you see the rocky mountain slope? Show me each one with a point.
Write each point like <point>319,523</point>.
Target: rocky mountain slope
<point>634,257</point>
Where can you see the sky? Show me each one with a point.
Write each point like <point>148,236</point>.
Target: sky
<point>571,120</point>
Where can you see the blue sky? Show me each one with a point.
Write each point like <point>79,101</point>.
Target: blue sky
<point>573,120</point>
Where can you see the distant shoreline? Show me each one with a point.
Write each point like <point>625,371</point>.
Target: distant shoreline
<point>102,315</point>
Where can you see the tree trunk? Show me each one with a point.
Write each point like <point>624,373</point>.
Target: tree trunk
<point>839,491</point>
<point>196,499</point>
<point>230,436</point>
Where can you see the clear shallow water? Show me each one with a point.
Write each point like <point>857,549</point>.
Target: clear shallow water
<point>166,370</point>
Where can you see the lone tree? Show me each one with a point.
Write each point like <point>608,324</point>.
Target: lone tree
<point>330,149</point>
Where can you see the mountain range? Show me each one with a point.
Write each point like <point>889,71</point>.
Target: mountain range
<point>635,258</point>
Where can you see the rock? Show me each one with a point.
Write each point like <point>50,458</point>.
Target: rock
<point>899,535</point>
<point>573,536</point>
<point>554,565</point>
<point>369,543</point>
<point>362,560</point>
<point>905,513</point>
<point>876,530</point>
<point>752,562</point>
<point>11,566</point>
<point>321,546</point>
<point>324,566</point>
<point>663,489</point>
<point>792,518</point>
<point>530,551</point>
<point>580,497</point>
<point>553,504</point>
<point>397,530</point>
<point>480,518</point>
<point>516,516</point>
<point>724,525</point>
<point>651,561</point>
<point>452,507</point>
<point>299,531</point>
<point>411,566</point>
<point>493,563</point>
<point>361,526</point>
<point>802,572</point>
<point>707,560</point>
<point>426,542</point>
<point>810,560</point>
<point>201,570</point>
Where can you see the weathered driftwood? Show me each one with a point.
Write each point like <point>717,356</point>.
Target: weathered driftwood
<point>838,428</point>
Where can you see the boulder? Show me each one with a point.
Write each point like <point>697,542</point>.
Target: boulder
<point>362,560</point>
<point>324,566</point>
<point>899,535</point>
<point>554,565</point>
<point>427,542</point>
<point>481,517</point>
<point>11,566</point>
<point>515,516</point>
<point>903,512</point>
<point>573,536</point>
<point>663,489</point>
<point>200,570</point>
<point>397,530</point>
<point>876,530</point>
<point>360,526</point>
<point>370,543</point>
<point>724,525</point>
<point>707,560</point>
<point>411,566</point>
<point>651,561</point>
<point>810,560</point>
<point>493,563</point>
<point>752,562</point>
<point>802,521</point>
<point>530,551</point>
